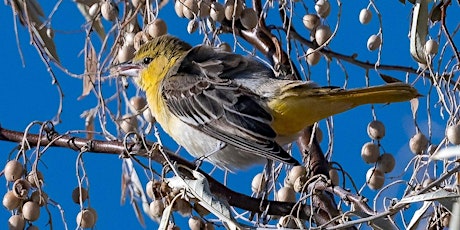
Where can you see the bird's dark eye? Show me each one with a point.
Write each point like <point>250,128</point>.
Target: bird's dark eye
<point>147,60</point>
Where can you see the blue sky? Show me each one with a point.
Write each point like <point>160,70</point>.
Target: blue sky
<point>29,96</point>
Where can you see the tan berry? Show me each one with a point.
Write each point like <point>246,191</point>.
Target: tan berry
<point>431,47</point>
<point>179,8</point>
<point>375,178</point>
<point>204,8</point>
<point>286,194</point>
<point>323,8</point>
<point>299,183</point>
<point>258,183</point>
<point>94,10</point>
<point>157,28</point>
<point>365,16</point>
<point>376,130</point>
<point>233,8</point>
<point>418,143</point>
<point>128,123</point>
<point>190,8</point>
<point>192,26</point>
<point>386,163</point>
<point>370,152</point>
<point>31,211</point>
<point>453,134</point>
<point>13,170</point>
<point>85,219</point>
<point>195,223</point>
<point>334,176</point>
<point>313,57</point>
<point>21,188</point>
<point>10,201</point>
<point>125,53</point>
<point>16,222</point>
<point>41,198</point>
<point>249,18</point>
<point>138,103</point>
<point>156,208</point>
<point>322,34</point>
<point>374,42</point>
<point>311,21</point>
<point>109,11</point>
<point>79,194</point>
<point>217,12</point>
<point>296,172</point>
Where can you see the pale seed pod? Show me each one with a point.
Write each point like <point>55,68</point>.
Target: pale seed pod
<point>233,8</point>
<point>139,39</point>
<point>217,12</point>
<point>375,178</point>
<point>322,34</point>
<point>370,152</point>
<point>249,18</point>
<point>129,39</point>
<point>16,222</point>
<point>128,123</point>
<point>179,8</point>
<point>365,16</point>
<point>157,28</point>
<point>376,130</point>
<point>311,21</point>
<point>225,47</point>
<point>334,176</point>
<point>109,11</point>
<point>286,194</point>
<point>147,114</point>
<point>125,53</point>
<point>418,143</point>
<point>204,8</point>
<point>431,47</point>
<point>192,26</point>
<point>138,103</point>
<point>453,134</point>
<point>93,211</point>
<point>386,163</point>
<point>35,178</point>
<point>190,8</point>
<point>313,57</point>
<point>296,172</point>
<point>156,208</point>
<point>374,42</point>
<point>79,194</point>
<point>41,198</point>
<point>21,189</point>
<point>94,10</point>
<point>10,201</point>
<point>287,222</point>
<point>13,170</point>
<point>85,219</point>
<point>183,207</point>
<point>258,183</point>
<point>323,8</point>
<point>194,223</point>
<point>31,211</point>
<point>299,183</point>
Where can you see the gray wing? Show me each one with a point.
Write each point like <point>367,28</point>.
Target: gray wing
<point>201,91</point>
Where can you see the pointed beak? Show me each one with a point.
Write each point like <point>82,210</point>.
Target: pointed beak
<point>127,69</point>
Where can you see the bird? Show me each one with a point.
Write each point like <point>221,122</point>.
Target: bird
<point>232,110</point>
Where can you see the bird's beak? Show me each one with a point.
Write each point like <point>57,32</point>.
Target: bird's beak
<point>127,69</point>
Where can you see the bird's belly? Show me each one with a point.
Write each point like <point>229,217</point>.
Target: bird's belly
<point>201,145</point>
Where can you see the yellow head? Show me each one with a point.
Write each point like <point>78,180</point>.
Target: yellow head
<point>154,59</point>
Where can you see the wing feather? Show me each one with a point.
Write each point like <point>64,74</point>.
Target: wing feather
<point>202,93</point>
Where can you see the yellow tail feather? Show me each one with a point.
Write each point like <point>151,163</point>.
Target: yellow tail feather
<point>302,105</point>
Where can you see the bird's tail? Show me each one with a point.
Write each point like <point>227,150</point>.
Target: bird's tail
<point>301,105</point>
